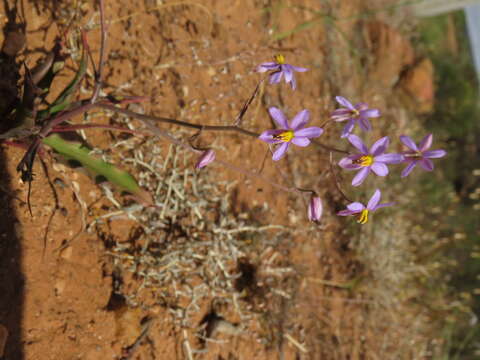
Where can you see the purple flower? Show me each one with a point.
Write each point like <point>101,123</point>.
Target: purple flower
<point>358,113</point>
<point>357,208</point>
<point>419,154</point>
<point>295,132</point>
<point>206,158</point>
<point>315,209</point>
<point>373,159</point>
<point>280,69</point>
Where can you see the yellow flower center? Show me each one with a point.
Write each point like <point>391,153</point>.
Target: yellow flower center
<point>365,160</point>
<point>279,59</point>
<point>355,112</point>
<point>285,136</point>
<point>363,218</point>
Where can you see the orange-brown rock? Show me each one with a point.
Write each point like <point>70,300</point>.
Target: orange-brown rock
<point>418,83</point>
<point>391,53</point>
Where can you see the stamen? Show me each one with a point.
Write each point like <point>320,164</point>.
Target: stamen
<point>285,136</point>
<point>279,59</point>
<point>355,112</point>
<point>365,160</point>
<point>416,154</point>
<point>363,219</point>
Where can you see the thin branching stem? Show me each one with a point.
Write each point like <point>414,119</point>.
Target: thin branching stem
<point>335,180</point>
<point>68,128</point>
<point>146,118</point>
<point>64,116</point>
<point>219,128</point>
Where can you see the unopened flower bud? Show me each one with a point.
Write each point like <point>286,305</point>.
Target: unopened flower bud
<point>206,158</point>
<point>315,209</point>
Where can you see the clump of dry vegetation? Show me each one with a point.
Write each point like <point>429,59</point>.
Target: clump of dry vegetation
<point>192,255</point>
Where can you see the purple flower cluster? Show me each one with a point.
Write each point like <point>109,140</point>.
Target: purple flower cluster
<point>364,160</point>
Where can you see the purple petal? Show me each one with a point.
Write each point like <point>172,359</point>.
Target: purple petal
<point>267,136</point>
<point>379,206</point>
<point>361,106</point>
<point>268,66</point>
<point>341,111</point>
<point>355,207</point>
<point>390,158</point>
<point>301,141</point>
<point>293,83</point>
<point>426,164</point>
<point>279,117</point>
<point>276,77</point>
<point>347,162</point>
<point>344,102</point>
<point>340,118</point>
<point>315,209</point>
<point>361,176</point>
<point>365,124</point>
<point>347,130</point>
<point>287,70</point>
<point>380,169</point>
<point>425,143</point>
<point>408,169</point>
<point>380,146</point>
<point>280,152</point>
<point>370,113</point>
<point>206,158</point>
<point>341,115</point>
<point>300,120</point>
<point>374,200</point>
<point>407,141</point>
<point>358,143</point>
<point>299,69</point>
<point>434,154</point>
<point>310,132</point>
<point>346,213</point>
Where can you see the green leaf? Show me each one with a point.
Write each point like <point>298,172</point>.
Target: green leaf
<point>74,151</point>
<point>64,99</point>
<point>303,26</point>
<point>45,72</point>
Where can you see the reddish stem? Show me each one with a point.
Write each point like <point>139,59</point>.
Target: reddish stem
<point>67,128</point>
<point>101,61</point>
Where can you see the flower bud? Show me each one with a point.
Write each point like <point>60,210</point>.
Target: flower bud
<point>315,209</point>
<point>206,158</point>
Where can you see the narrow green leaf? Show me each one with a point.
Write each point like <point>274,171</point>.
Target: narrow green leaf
<point>81,154</point>
<point>63,100</point>
<point>44,73</point>
<point>303,26</point>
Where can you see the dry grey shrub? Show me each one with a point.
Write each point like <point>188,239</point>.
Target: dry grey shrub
<point>192,255</point>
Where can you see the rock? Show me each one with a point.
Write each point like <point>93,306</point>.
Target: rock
<point>128,324</point>
<point>418,83</point>
<point>392,53</point>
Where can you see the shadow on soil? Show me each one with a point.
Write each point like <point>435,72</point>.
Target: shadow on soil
<point>11,277</point>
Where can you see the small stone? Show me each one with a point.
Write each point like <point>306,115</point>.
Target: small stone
<point>60,286</point>
<point>418,83</point>
<point>66,253</point>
